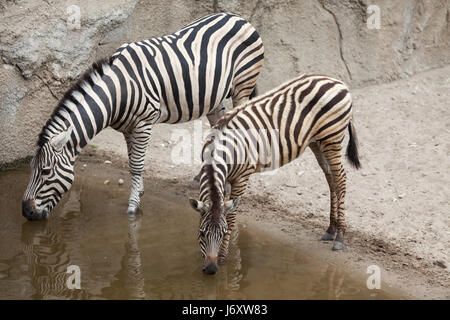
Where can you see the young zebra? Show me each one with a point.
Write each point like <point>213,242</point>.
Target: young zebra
<point>171,79</point>
<point>266,133</point>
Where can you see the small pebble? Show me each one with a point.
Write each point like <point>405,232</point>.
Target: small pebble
<point>106,182</point>
<point>107,162</point>
<point>120,182</point>
<point>401,196</point>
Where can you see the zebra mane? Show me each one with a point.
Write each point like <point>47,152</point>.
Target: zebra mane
<point>214,194</point>
<point>227,117</point>
<point>97,68</point>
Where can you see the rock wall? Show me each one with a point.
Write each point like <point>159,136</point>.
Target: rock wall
<point>42,52</point>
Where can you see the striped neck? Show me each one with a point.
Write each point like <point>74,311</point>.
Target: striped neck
<point>88,107</point>
<point>212,185</point>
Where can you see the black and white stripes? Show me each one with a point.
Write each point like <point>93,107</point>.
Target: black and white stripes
<point>171,79</point>
<point>270,131</point>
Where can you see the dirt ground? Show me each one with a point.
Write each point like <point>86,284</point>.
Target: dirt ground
<point>398,209</point>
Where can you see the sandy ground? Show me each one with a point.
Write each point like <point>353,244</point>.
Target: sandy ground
<point>398,208</point>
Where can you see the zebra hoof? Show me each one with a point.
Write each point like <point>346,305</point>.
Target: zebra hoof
<point>132,210</point>
<point>327,237</point>
<point>338,245</point>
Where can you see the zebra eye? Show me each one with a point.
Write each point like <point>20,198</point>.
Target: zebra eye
<point>201,233</point>
<point>46,171</point>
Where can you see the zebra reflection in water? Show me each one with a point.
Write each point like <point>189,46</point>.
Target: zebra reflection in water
<point>130,281</point>
<point>47,259</point>
<point>49,247</point>
<point>48,253</point>
<point>229,279</point>
<point>190,285</point>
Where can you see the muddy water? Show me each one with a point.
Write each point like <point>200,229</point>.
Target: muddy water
<point>153,255</point>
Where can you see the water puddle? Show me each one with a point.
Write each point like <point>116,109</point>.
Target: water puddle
<point>153,255</point>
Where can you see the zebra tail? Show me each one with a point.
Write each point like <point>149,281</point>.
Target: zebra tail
<point>352,148</point>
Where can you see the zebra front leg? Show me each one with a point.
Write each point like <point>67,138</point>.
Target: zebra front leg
<point>137,143</point>
<point>137,191</point>
<point>223,251</point>
<point>212,118</point>
<point>333,155</point>
<point>237,189</point>
<point>331,231</point>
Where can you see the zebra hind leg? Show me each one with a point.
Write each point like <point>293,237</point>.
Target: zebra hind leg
<point>330,234</point>
<point>137,143</point>
<point>332,150</point>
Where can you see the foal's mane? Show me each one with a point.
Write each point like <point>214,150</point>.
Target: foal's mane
<point>223,121</point>
<point>214,194</point>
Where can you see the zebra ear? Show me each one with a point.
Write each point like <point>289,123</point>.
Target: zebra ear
<point>60,140</point>
<point>231,205</point>
<point>197,205</point>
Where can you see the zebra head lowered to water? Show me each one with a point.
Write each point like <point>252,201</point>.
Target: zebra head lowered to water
<point>264,134</point>
<point>172,79</point>
<point>51,176</point>
<point>213,230</point>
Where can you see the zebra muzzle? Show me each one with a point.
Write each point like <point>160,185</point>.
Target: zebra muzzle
<point>210,266</point>
<point>29,211</point>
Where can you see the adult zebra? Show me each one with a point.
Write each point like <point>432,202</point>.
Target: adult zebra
<point>266,133</point>
<point>171,79</point>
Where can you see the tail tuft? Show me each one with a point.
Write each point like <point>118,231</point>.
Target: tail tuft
<point>352,148</point>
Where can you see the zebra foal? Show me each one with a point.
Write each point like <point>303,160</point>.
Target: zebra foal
<point>266,133</point>
<point>172,79</point>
